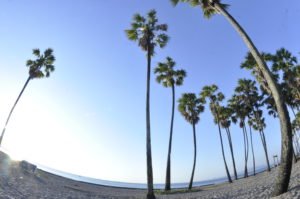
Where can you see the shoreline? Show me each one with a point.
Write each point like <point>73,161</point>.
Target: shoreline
<point>19,183</point>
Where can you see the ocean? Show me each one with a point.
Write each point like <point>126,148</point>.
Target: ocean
<point>144,185</point>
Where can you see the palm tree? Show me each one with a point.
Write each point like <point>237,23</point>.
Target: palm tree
<point>240,112</point>
<point>39,68</point>
<point>225,114</point>
<point>248,92</point>
<point>148,34</point>
<point>211,7</point>
<point>214,100</point>
<point>284,65</point>
<point>284,61</point>
<point>168,77</point>
<point>258,124</point>
<point>190,107</point>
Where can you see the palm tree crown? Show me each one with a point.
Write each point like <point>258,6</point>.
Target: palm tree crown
<point>42,66</point>
<point>206,5</point>
<point>167,76</point>
<point>190,107</point>
<point>147,32</point>
<point>210,93</point>
<point>225,114</point>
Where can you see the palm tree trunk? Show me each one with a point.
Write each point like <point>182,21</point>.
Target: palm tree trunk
<point>168,172</point>
<point>295,156</point>
<point>245,154</point>
<point>283,176</point>
<point>12,109</point>
<point>252,150</point>
<point>247,141</point>
<point>221,140</point>
<point>296,146</point>
<point>150,194</point>
<point>223,154</point>
<point>195,156</point>
<point>231,150</point>
<point>297,141</point>
<point>293,111</point>
<point>263,140</point>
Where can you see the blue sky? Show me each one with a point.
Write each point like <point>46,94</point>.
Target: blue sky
<point>88,118</point>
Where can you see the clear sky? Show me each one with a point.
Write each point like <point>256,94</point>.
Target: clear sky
<point>88,118</point>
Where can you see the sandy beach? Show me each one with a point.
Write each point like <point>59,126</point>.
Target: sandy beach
<point>20,182</point>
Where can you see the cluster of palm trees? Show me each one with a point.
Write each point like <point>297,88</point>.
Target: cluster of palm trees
<point>244,107</point>
<point>149,34</point>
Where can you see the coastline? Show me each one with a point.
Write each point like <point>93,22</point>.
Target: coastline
<point>17,182</point>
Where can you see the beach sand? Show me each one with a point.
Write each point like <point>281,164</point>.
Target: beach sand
<point>19,182</point>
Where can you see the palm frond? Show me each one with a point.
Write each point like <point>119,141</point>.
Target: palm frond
<point>138,18</point>
<point>161,27</point>
<point>131,34</point>
<point>162,40</point>
<point>174,2</point>
<point>36,52</point>
<point>29,63</point>
<point>48,52</point>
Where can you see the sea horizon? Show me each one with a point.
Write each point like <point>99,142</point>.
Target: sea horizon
<point>133,185</point>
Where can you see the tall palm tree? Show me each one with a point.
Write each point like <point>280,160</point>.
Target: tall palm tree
<point>225,114</point>
<point>240,113</point>
<point>258,124</point>
<point>168,77</point>
<point>209,92</point>
<point>39,68</point>
<point>148,33</point>
<point>211,7</point>
<point>248,92</point>
<point>190,108</point>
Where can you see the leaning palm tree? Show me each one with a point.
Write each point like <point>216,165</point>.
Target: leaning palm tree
<point>212,7</point>
<point>148,33</point>
<point>168,77</point>
<point>190,107</point>
<point>209,92</point>
<point>39,68</point>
